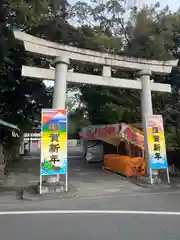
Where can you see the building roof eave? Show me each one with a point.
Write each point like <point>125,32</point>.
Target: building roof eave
<point>9,125</point>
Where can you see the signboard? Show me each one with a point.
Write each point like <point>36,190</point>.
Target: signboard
<point>94,132</point>
<point>53,142</point>
<point>32,135</point>
<point>94,151</point>
<point>125,131</point>
<point>156,142</point>
<point>133,136</point>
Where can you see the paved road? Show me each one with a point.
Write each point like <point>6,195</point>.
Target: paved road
<point>96,226</point>
<point>142,201</point>
<point>89,227</point>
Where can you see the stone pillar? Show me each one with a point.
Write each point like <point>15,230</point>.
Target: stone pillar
<point>29,143</point>
<point>21,148</point>
<point>106,71</point>
<point>59,95</point>
<point>146,108</point>
<point>146,100</point>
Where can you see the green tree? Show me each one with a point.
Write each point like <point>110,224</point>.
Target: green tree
<point>148,33</point>
<point>107,30</point>
<point>21,100</point>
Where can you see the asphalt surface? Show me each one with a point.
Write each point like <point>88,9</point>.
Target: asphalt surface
<point>90,227</point>
<point>93,226</point>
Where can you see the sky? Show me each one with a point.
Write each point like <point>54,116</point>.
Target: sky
<point>173,4</point>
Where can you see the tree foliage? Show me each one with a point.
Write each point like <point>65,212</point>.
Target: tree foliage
<point>105,26</point>
<point>21,100</point>
<point>150,32</point>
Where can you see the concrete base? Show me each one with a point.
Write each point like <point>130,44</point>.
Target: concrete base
<point>156,180</point>
<point>51,188</point>
<point>155,173</point>
<point>31,193</point>
<point>52,179</point>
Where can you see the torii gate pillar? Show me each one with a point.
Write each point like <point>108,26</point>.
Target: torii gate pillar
<point>59,94</point>
<point>60,85</point>
<point>146,109</point>
<point>146,100</point>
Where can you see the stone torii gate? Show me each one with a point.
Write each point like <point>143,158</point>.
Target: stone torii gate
<point>63,54</point>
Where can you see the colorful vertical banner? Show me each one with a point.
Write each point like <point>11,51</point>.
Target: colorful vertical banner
<point>54,142</point>
<point>156,142</point>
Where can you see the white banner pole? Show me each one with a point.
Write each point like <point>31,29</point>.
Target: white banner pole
<point>66,181</point>
<point>150,173</point>
<point>67,154</point>
<point>40,185</point>
<point>40,182</point>
<point>168,178</point>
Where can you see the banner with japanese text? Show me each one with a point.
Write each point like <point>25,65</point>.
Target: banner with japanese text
<point>54,142</point>
<point>156,142</point>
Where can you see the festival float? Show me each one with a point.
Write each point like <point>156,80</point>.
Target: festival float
<point>126,156</point>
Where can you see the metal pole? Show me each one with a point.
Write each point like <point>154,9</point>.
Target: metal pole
<point>41,156</point>
<point>168,178</point>
<point>40,185</point>
<point>66,189</point>
<point>150,173</point>
<point>67,178</point>
<point>29,143</point>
